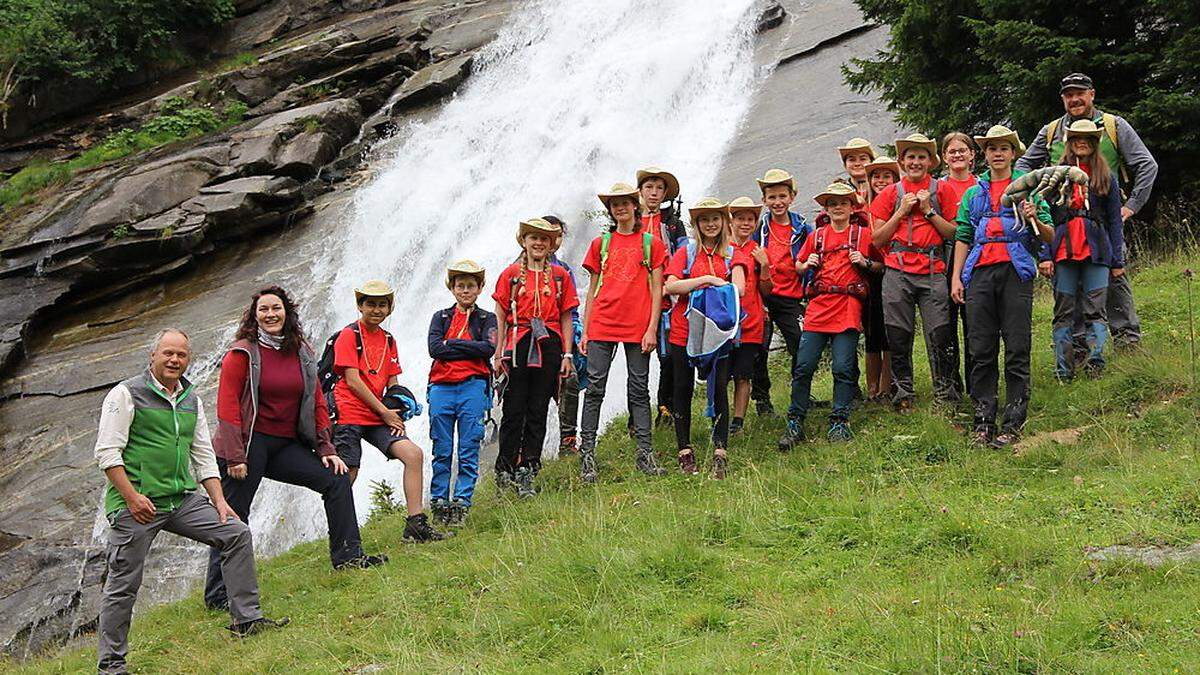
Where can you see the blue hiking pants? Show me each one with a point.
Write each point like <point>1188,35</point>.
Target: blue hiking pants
<point>1080,287</point>
<point>462,405</point>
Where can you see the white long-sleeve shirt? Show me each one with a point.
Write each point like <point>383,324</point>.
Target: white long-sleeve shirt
<point>116,414</point>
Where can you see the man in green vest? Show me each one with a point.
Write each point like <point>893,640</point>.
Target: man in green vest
<point>153,446</point>
<point>1135,167</point>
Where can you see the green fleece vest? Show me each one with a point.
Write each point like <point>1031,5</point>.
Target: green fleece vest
<point>1057,145</point>
<point>158,454</point>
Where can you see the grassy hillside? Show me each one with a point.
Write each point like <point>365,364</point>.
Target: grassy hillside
<point>907,550</point>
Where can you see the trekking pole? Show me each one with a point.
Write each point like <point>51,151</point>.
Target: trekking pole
<point>1188,274</point>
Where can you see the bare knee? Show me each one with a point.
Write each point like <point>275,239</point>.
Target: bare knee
<point>407,452</point>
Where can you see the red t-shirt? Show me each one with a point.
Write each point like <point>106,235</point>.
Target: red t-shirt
<point>837,312</point>
<point>378,363</point>
<point>536,297</point>
<point>706,262</point>
<point>783,265</point>
<point>452,372</point>
<point>752,304</point>
<point>995,253</point>
<point>1076,229</point>
<point>950,194</point>
<point>923,233</point>
<point>621,308</point>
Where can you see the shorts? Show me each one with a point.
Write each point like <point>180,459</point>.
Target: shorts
<point>348,438</point>
<point>741,365</point>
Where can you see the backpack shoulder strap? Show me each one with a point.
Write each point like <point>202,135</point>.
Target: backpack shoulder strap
<point>1110,128</point>
<point>935,204</point>
<point>691,255</point>
<point>647,243</point>
<point>1052,131</point>
<point>899,193</point>
<point>358,341</point>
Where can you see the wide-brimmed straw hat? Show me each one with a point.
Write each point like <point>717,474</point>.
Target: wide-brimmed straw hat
<point>539,226</point>
<point>856,145</point>
<point>1000,133</point>
<point>918,141</point>
<point>744,204</point>
<point>1084,128</point>
<point>883,162</point>
<point>837,189</point>
<point>669,178</point>
<point>374,289</point>
<point>777,177</point>
<point>708,205</point>
<point>462,268</point>
<point>618,190</point>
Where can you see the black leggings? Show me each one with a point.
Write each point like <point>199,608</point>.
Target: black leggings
<point>685,381</point>
<point>526,403</point>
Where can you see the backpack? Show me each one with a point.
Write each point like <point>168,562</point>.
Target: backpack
<point>809,284</point>
<point>1109,123</point>
<point>606,241</point>
<point>693,248</point>
<point>327,377</point>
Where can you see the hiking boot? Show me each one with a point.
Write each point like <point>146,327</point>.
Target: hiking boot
<point>981,437</point>
<point>687,462</point>
<point>839,432</point>
<point>1093,371</point>
<point>417,530</point>
<point>764,409</point>
<point>663,419</point>
<point>736,426</point>
<point>719,466</point>
<point>587,466</point>
<point>504,481</point>
<point>362,562</point>
<point>524,479</point>
<point>458,514</point>
<point>257,626</point>
<point>792,435</point>
<point>647,463</point>
<point>441,512</point>
<point>1006,439</point>
<point>568,445</point>
<point>904,406</point>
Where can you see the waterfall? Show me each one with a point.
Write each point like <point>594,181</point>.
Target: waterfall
<point>568,99</point>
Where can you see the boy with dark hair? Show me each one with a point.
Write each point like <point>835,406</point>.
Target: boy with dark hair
<point>462,340</point>
<point>367,364</point>
<point>657,187</point>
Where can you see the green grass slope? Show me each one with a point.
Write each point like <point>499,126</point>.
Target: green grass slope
<point>904,551</point>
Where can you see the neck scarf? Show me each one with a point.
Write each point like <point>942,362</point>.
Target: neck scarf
<point>267,340</point>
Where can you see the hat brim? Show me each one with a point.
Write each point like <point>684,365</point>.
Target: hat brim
<point>756,208</point>
<point>695,213</point>
<point>764,184</point>
<point>1089,134</point>
<point>824,197</point>
<point>450,274</point>
<point>526,229</point>
<point>672,182</point>
<point>903,146</point>
<point>843,151</point>
<point>894,167</point>
<point>1011,139</point>
<point>1069,87</point>
<point>606,199</point>
<point>359,296</point>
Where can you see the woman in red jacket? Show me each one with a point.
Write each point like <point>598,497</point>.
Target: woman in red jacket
<point>272,423</point>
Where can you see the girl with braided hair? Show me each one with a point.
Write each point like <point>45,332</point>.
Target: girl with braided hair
<point>534,300</point>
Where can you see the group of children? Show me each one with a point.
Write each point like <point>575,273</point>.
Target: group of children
<point>890,240</point>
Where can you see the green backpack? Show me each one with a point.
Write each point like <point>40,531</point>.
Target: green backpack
<point>606,241</point>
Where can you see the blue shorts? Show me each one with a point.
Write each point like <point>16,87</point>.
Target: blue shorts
<point>348,438</point>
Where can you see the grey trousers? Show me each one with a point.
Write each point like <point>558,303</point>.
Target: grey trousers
<point>903,294</point>
<point>599,359</point>
<point>1124,326</point>
<point>128,544</point>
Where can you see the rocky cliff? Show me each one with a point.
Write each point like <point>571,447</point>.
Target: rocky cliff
<point>183,234</point>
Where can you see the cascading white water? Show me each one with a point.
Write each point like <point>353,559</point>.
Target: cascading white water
<point>570,98</point>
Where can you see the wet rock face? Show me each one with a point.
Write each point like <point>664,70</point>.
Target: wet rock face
<point>180,235</point>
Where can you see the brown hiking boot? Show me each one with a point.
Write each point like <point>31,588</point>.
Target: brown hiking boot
<point>687,462</point>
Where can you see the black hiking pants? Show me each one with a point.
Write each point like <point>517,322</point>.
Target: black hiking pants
<point>1001,308</point>
<point>526,405</point>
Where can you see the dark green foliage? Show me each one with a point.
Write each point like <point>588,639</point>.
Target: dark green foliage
<point>968,64</point>
<point>95,40</point>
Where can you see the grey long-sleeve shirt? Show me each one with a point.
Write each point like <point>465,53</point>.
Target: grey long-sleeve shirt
<point>1134,153</point>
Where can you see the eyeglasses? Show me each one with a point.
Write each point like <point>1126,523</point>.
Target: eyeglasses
<point>964,151</point>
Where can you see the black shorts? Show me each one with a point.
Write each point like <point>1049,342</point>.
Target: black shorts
<point>874,333</point>
<point>348,438</point>
<point>741,365</point>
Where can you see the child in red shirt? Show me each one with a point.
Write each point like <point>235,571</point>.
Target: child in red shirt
<point>534,299</point>
<point>624,305</point>
<point>835,261</point>
<point>713,263</point>
<point>366,364</point>
<point>744,214</point>
<point>462,340</point>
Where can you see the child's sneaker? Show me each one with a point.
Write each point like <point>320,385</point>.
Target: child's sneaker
<point>587,466</point>
<point>504,482</point>
<point>687,463</point>
<point>736,426</point>
<point>418,530</point>
<point>524,481</point>
<point>567,446</point>
<point>458,514</point>
<point>764,409</point>
<point>839,432</point>
<point>719,466</point>
<point>648,464</point>
<point>792,435</point>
